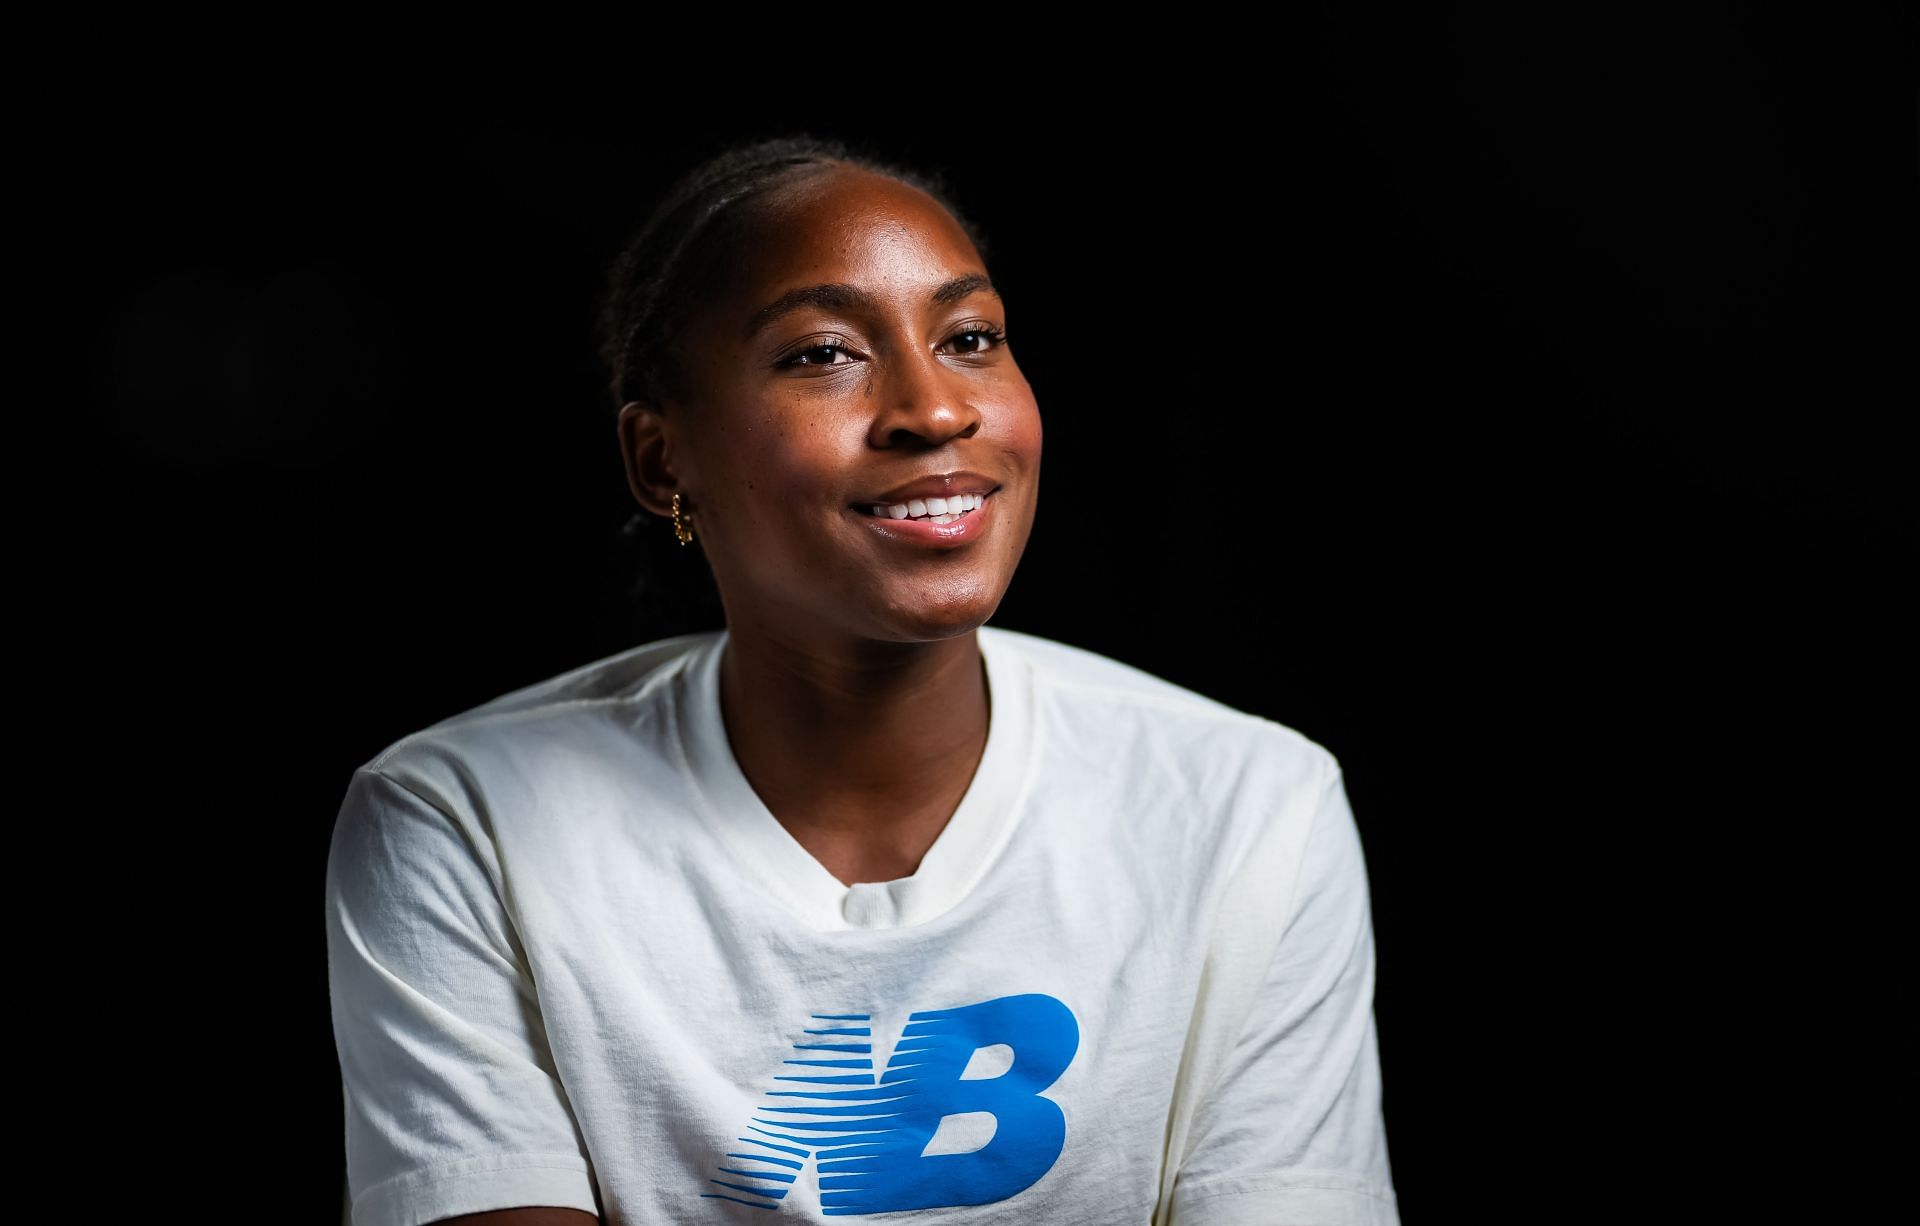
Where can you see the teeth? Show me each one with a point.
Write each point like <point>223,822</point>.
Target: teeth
<point>934,510</point>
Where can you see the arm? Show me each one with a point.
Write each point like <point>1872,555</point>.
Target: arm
<point>453,1103</point>
<point>523,1217</point>
<point>1291,1130</point>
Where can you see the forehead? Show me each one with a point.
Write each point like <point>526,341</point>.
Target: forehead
<point>852,225</point>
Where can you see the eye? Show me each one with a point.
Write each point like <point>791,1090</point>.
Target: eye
<point>978,338</point>
<point>818,354</point>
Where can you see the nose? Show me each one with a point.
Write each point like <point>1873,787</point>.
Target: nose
<point>921,403</point>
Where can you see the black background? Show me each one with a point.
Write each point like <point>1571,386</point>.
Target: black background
<point>1510,408</point>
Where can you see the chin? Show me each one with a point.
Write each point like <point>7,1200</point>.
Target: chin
<point>931,618</point>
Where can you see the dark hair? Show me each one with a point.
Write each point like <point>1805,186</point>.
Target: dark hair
<point>653,288</point>
<point>656,280</point>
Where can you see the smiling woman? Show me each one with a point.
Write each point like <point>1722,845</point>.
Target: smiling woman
<point>858,905</point>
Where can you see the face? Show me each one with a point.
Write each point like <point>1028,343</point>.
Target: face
<point>853,366</point>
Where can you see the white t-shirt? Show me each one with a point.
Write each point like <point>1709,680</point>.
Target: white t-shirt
<point>576,961</point>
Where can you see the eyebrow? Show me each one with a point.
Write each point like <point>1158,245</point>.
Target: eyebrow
<point>839,296</point>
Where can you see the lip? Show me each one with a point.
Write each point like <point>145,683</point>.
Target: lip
<point>963,531</point>
<point>940,485</point>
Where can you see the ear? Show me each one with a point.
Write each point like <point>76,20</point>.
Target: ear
<point>646,444</point>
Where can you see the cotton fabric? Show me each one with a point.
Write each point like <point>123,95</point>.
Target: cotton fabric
<point>575,961</point>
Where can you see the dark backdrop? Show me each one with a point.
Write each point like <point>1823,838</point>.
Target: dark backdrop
<point>1509,409</point>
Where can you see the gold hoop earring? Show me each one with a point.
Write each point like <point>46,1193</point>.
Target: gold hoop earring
<point>683,530</point>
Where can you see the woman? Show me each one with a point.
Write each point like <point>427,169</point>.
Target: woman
<point>858,905</point>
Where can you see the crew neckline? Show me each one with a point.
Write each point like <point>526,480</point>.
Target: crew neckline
<point>980,826</point>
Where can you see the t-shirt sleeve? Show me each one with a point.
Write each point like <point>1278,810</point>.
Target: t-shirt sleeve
<point>1292,1133</point>
<point>453,1104</point>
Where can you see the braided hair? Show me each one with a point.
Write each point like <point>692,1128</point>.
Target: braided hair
<point>654,288</point>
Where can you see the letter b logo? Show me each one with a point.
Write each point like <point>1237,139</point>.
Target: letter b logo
<point>878,1141</point>
<point>1029,1131</point>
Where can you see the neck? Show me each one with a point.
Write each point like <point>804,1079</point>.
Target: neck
<point>862,749</point>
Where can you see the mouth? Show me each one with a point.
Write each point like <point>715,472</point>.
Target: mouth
<point>932,523</point>
<point>927,510</point>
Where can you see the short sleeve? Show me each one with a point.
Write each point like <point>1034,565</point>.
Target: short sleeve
<point>453,1104</point>
<point>1292,1132</point>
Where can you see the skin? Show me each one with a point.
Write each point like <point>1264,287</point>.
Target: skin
<point>853,691</point>
<point>523,1217</point>
<point>852,688</point>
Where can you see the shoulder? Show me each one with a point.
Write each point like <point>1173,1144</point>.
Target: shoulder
<point>1083,679</point>
<point>557,717</point>
<point>1110,700</point>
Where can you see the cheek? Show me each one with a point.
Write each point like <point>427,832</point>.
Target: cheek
<point>1029,436</point>
<point>780,472</point>
<point>1021,432</point>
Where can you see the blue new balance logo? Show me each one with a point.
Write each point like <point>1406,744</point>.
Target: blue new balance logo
<point>956,1118</point>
